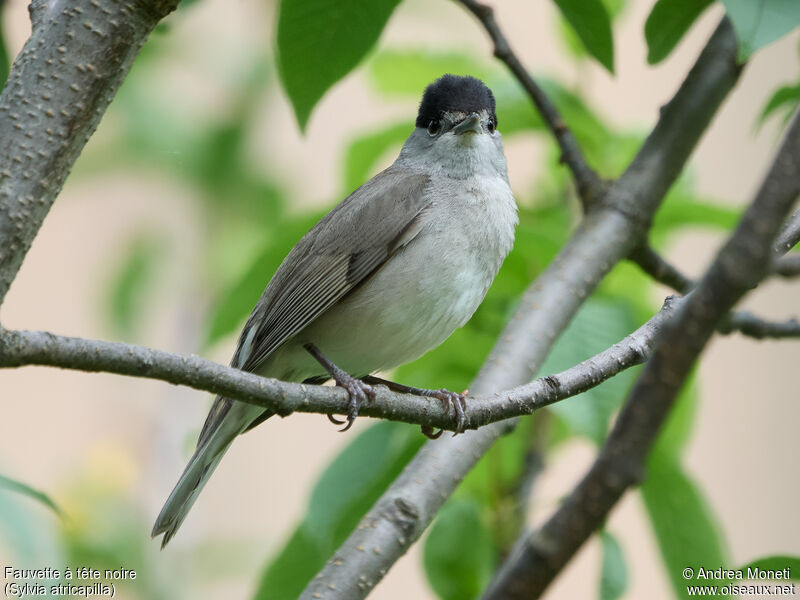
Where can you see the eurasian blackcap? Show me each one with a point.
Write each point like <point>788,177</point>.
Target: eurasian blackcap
<point>385,276</point>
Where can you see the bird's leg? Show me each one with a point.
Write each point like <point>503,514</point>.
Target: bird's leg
<point>458,402</point>
<point>359,391</point>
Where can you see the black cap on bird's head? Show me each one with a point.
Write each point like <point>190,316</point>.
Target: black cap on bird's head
<point>453,93</point>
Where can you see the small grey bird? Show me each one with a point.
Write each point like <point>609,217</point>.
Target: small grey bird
<point>384,277</point>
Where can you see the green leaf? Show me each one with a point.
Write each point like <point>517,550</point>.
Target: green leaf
<point>592,24</point>
<point>365,151</point>
<point>458,555</point>
<point>774,563</point>
<point>321,41</point>
<point>129,283</point>
<point>614,573</point>
<point>668,22</point>
<point>761,22</point>
<point>600,323</point>
<point>346,490</point>
<point>786,97</point>
<point>26,490</point>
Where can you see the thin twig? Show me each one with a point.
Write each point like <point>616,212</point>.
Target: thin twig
<point>752,326</point>
<point>652,263</point>
<point>590,187</point>
<point>740,265</point>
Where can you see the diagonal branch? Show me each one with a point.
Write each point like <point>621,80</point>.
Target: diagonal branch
<point>46,117</point>
<point>589,185</point>
<point>744,260</point>
<point>604,238</point>
<point>24,348</point>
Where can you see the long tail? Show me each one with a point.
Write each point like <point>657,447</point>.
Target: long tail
<point>210,449</point>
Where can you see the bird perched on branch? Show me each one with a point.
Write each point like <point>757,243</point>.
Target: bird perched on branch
<point>384,277</point>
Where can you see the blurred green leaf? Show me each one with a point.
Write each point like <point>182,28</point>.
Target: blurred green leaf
<point>761,22</point>
<point>684,525</point>
<point>682,209</point>
<point>236,303</point>
<point>131,281</point>
<point>346,490</point>
<point>614,573</point>
<point>364,152</point>
<point>777,563</point>
<point>458,555</point>
<point>668,22</point>
<point>408,72</point>
<point>786,97</point>
<point>600,323</point>
<point>6,483</point>
<point>368,464</point>
<point>592,24</point>
<point>321,41</point>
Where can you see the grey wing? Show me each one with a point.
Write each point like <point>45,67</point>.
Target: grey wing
<point>348,245</point>
<point>341,251</point>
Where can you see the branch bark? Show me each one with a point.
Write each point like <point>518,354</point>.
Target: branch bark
<point>605,237</point>
<point>740,265</point>
<point>58,89</point>
<point>25,348</point>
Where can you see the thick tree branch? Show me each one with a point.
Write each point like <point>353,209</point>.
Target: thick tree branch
<point>604,238</point>
<point>25,348</point>
<point>589,185</point>
<point>740,265</point>
<point>57,91</point>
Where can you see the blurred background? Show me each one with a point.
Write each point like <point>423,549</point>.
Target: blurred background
<point>197,183</point>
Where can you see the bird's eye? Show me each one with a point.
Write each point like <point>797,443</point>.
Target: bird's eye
<point>490,125</point>
<point>434,127</point>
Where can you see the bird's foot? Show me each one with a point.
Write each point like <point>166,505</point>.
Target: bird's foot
<point>359,391</point>
<point>458,402</point>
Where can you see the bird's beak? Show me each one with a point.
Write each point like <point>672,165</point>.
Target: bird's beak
<point>470,123</point>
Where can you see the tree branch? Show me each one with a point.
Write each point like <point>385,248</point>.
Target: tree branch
<point>752,326</point>
<point>25,348</point>
<point>789,235</point>
<point>652,263</point>
<point>589,185</point>
<point>605,237</point>
<point>57,91</point>
<point>740,265</point>
<point>787,266</point>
